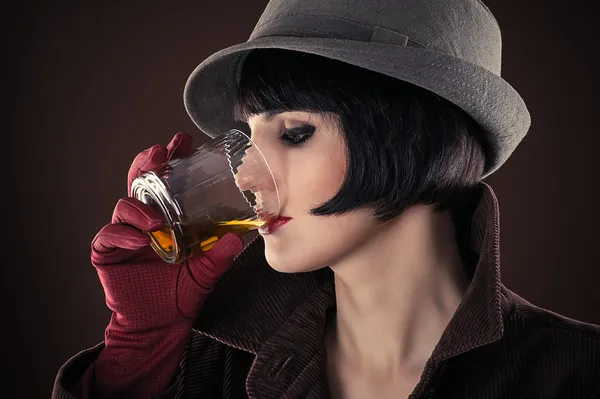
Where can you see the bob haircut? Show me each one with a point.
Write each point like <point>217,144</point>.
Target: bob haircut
<point>405,145</point>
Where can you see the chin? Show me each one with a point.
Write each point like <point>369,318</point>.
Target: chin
<point>283,264</point>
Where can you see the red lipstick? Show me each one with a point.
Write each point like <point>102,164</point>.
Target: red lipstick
<point>274,225</point>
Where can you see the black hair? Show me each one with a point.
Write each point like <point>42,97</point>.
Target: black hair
<point>406,145</point>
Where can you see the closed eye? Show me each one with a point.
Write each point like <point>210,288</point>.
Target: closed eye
<point>297,136</point>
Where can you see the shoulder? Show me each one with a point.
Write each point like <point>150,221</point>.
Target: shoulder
<point>527,317</point>
<point>541,341</point>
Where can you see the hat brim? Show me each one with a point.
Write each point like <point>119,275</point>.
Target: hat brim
<point>491,101</point>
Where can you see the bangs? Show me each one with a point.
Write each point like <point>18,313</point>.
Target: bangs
<point>275,81</point>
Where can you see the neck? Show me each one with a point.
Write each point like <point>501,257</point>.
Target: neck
<point>396,294</point>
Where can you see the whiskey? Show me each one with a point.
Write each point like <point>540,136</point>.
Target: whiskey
<point>199,236</point>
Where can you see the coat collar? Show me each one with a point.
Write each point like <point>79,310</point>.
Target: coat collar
<point>262,311</point>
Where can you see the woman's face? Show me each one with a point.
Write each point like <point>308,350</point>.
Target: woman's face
<point>308,175</point>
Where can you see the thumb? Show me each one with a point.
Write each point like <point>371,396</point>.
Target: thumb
<point>207,267</point>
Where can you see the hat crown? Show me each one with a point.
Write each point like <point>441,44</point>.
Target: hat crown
<point>465,29</point>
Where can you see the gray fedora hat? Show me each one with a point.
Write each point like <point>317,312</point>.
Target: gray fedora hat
<point>450,47</point>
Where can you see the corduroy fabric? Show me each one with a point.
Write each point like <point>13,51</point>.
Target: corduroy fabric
<point>260,336</point>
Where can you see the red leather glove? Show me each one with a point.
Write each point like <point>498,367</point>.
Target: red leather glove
<point>154,303</point>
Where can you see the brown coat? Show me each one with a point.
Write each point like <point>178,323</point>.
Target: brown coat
<point>260,335</point>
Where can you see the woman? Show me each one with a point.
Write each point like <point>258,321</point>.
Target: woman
<point>379,123</point>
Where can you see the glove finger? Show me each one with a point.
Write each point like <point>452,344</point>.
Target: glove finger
<point>145,161</point>
<point>118,244</point>
<point>225,249</point>
<point>133,212</point>
<point>180,146</point>
<point>207,267</point>
<point>118,236</point>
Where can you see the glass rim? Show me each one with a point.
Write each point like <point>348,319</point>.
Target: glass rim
<point>151,186</point>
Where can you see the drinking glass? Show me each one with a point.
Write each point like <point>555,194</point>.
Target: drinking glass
<point>225,185</point>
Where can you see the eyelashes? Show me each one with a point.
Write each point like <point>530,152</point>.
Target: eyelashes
<point>297,136</point>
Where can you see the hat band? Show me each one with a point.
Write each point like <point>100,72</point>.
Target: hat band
<point>330,27</point>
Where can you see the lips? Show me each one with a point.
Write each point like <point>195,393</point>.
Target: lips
<point>273,225</point>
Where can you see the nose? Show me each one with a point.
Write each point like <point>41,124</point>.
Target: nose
<point>260,166</point>
<point>254,173</point>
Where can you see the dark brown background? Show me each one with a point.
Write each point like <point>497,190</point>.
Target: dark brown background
<point>91,84</point>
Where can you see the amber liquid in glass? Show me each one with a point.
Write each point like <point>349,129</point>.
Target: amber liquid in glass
<point>202,236</point>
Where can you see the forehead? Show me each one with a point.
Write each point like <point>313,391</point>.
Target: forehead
<point>266,116</point>
<point>301,116</point>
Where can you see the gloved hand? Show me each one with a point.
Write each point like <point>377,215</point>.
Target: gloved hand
<point>154,303</point>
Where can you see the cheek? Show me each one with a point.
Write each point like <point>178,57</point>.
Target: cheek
<point>317,182</point>
<point>314,192</point>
